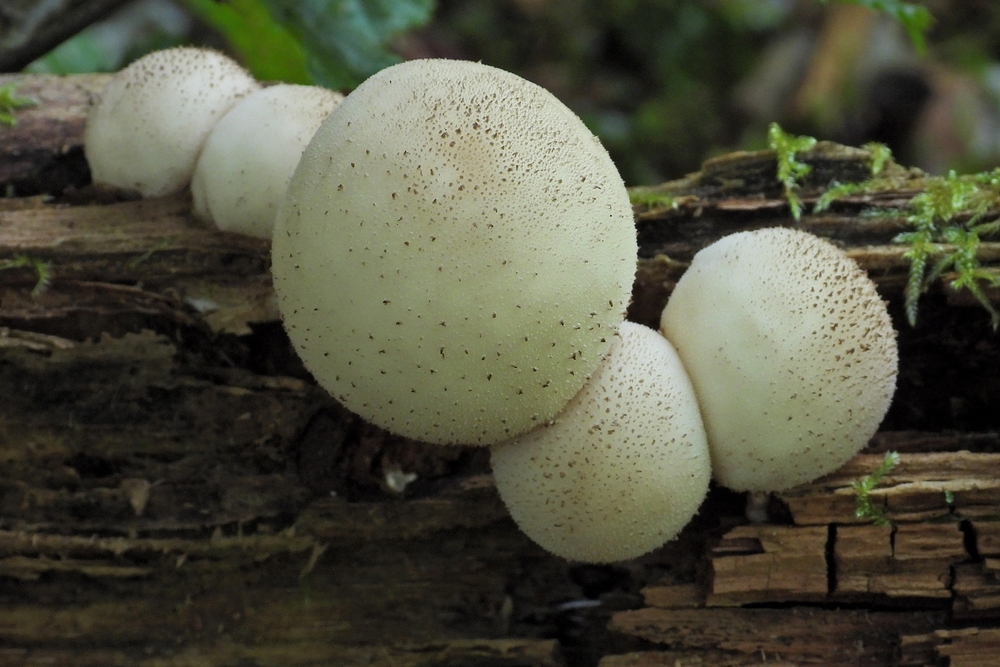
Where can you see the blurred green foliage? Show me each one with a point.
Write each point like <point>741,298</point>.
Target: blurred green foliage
<point>652,78</point>
<point>916,19</point>
<point>334,43</point>
<point>82,53</point>
<point>266,48</point>
<point>346,40</point>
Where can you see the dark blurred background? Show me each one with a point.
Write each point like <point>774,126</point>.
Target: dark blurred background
<point>664,83</point>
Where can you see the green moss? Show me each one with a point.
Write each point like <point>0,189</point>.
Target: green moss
<point>866,508</point>
<point>162,245</point>
<point>649,198</point>
<point>42,268</point>
<point>11,102</point>
<point>947,227</point>
<point>790,170</point>
<point>879,157</point>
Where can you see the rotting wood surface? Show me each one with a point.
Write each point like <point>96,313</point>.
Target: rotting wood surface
<point>175,490</point>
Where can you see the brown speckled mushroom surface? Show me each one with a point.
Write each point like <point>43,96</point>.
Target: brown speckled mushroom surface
<point>151,121</point>
<point>791,352</point>
<point>622,469</point>
<point>455,253</point>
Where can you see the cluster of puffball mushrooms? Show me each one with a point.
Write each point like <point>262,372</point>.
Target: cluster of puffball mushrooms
<point>453,260</point>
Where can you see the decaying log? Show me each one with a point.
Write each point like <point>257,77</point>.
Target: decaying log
<point>176,490</point>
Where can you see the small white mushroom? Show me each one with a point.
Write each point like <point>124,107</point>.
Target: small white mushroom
<point>455,253</point>
<point>243,171</point>
<point>791,352</point>
<point>149,125</point>
<point>622,468</point>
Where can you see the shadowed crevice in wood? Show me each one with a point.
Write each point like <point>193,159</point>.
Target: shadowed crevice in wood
<point>831,560</point>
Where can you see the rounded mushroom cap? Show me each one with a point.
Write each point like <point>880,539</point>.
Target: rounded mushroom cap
<point>791,352</point>
<point>243,170</point>
<point>147,129</point>
<point>623,467</point>
<point>455,253</point>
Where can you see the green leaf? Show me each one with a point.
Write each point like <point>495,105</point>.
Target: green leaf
<point>268,50</point>
<point>346,41</point>
<point>81,53</point>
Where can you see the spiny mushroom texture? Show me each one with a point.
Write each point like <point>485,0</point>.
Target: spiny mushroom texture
<point>149,125</point>
<point>791,352</point>
<point>455,253</point>
<point>622,469</point>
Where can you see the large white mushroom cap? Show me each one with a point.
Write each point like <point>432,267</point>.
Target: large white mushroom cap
<point>622,468</point>
<point>249,156</point>
<point>455,253</point>
<point>149,125</point>
<point>791,352</point>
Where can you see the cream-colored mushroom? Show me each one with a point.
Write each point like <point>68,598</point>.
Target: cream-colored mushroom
<point>251,153</point>
<point>149,125</point>
<point>791,353</point>
<point>455,253</point>
<point>622,469</point>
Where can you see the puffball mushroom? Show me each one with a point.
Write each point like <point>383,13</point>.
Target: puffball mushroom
<point>791,353</point>
<point>622,469</point>
<point>149,125</point>
<point>249,156</point>
<point>455,253</point>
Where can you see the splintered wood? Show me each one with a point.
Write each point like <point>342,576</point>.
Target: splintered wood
<point>940,504</point>
<point>940,556</point>
<point>763,563</point>
<point>772,636</point>
<point>923,486</point>
<point>968,647</point>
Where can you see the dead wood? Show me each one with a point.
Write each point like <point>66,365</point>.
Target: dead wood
<point>176,490</point>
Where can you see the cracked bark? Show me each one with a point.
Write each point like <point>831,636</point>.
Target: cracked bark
<point>174,488</point>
